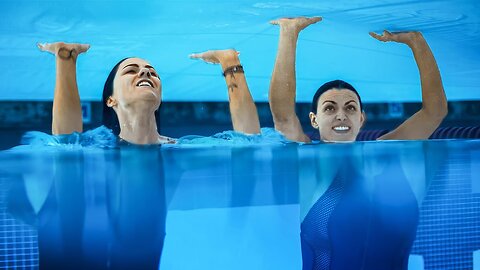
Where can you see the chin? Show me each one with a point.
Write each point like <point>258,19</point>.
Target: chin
<point>340,138</point>
<point>146,102</point>
<point>343,140</point>
<point>149,98</point>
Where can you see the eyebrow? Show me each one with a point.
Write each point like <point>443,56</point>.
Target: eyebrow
<point>350,102</point>
<point>135,65</point>
<point>131,65</point>
<point>329,101</point>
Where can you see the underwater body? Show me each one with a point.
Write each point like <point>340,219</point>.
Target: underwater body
<point>107,206</point>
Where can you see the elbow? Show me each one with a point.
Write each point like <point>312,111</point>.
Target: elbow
<point>442,110</point>
<point>439,113</point>
<point>284,119</point>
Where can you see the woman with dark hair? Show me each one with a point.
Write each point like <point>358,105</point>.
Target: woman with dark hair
<point>336,107</point>
<point>131,97</point>
<point>351,218</point>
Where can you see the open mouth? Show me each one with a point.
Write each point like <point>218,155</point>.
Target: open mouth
<point>145,83</point>
<point>341,129</point>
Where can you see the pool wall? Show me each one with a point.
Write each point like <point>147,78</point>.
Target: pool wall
<point>208,118</point>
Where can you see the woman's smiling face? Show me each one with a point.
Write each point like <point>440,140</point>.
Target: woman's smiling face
<point>136,80</point>
<point>339,116</point>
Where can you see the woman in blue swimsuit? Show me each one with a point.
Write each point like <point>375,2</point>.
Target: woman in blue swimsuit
<point>351,225</point>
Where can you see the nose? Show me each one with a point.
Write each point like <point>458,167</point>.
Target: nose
<point>341,116</point>
<point>145,72</point>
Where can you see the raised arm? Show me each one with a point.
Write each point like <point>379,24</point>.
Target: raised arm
<point>283,83</point>
<point>67,111</point>
<point>434,102</point>
<point>242,108</point>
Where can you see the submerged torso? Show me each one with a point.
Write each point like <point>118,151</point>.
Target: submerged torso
<point>354,226</point>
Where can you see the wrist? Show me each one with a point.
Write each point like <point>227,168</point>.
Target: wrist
<point>229,62</point>
<point>232,70</point>
<point>66,54</point>
<point>416,39</point>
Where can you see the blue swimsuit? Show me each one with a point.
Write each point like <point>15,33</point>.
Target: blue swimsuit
<point>351,227</point>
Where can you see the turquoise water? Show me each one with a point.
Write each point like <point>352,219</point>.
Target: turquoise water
<point>204,206</point>
<point>166,32</point>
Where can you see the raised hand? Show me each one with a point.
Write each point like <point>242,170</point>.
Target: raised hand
<point>67,111</point>
<point>64,50</point>
<point>215,56</point>
<point>296,24</point>
<point>408,37</point>
<point>434,102</point>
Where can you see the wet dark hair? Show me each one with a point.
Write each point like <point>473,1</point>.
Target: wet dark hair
<point>337,84</point>
<point>109,117</point>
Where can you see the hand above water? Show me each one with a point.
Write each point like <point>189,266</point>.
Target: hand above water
<point>216,56</point>
<point>296,24</point>
<point>64,50</point>
<point>408,37</point>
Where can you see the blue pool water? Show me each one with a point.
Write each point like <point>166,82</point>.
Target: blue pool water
<point>166,32</point>
<point>229,207</point>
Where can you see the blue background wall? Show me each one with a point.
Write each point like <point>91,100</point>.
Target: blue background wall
<point>166,32</point>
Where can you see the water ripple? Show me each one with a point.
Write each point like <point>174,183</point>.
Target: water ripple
<point>52,24</point>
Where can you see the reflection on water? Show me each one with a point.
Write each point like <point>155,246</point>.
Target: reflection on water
<point>221,207</point>
<point>93,210</point>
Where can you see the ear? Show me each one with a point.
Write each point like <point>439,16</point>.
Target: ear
<point>313,120</point>
<point>363,119</point>
<point>111,102</point>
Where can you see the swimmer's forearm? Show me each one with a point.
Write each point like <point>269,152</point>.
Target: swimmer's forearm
<point>283,85</point>
<point>283,82</point>
<point>434,100</point>
<point>242,107</point>
<point>67,112</point>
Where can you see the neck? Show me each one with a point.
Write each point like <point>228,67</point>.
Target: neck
<point>138,127</point>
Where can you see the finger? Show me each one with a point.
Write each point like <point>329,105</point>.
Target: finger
<point>275,22</point>
<point>83,48</point>
<point>373,34</point>
<point>376,36</point>
<point>387,35</point>
<point>195,56</point>
<point>42,46</point>
<point>316,19</point>
<point>47,47</point>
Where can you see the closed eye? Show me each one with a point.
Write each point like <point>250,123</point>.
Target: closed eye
<point>130,71</point>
